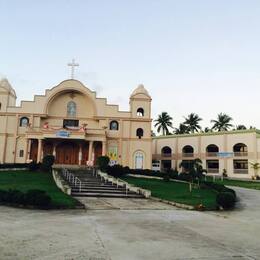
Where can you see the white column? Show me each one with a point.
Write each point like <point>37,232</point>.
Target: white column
<point>90,151</point>
<point>39,150</point>
<point>29,144</point>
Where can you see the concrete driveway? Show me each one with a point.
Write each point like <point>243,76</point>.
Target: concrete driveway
<point>164,233</point>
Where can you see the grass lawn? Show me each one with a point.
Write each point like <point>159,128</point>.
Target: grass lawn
<point>242,184</point>
<point>25,180</point>
<point>176,191</point>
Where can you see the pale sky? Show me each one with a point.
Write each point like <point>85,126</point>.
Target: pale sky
<point>192,56</point>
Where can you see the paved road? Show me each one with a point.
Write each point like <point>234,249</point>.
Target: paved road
<point>164,233</point>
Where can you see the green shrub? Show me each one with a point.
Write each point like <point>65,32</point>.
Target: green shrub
<point>117,170</point>
<point>37,198</point>
<point>166,177</point>
<point>47,163</point>
<point>226,200</point>
<point>33,166</point>
<point>14,165</point>
<point>102,162</point>
<point>185,177</point>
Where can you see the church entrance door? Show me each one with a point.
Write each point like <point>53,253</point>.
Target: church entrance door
<point>67,153</point>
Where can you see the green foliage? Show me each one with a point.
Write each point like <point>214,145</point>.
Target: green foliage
<point>47,163</point>
<point>192,122</point>
<point>26,180</point>
<point>163,123</point>
<point>226,200</point>
<point>117,170</point>
<point>222,123</point>
<point>102,162</point>
<point>176,191</point>
<point>182,129</point>
<point>36,198</point>
<point>218,187</point>
<point>14,165</point>
<point>33,166</point>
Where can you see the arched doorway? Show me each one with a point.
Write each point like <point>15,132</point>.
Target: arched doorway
<point>67,153</point>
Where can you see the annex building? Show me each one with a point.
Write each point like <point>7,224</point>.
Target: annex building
<point>75,126</point>
<point>230,151</point>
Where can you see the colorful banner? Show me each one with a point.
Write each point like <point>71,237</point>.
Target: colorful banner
<point>113,155</point>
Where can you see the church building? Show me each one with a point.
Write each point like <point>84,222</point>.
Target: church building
<point>75,126</point>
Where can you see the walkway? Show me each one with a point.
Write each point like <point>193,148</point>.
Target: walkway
<point>132,234</point>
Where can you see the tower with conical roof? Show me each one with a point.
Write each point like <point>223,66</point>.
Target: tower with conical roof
<point>7,95</point>
<point>140,103</point>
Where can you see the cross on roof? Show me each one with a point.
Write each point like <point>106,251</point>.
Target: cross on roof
<point>73,65</point>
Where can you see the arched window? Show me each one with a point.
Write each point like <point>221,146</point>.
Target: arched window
<point>166,151</point>
<point>114,125</point>
<point>140,133</point>
<point>212,150</point>
<point>139,160</point>
<point>187,151</point>
<point>24,122</point>
<point>71,109</point>
<point>140,112</point>
<point>240,149</point>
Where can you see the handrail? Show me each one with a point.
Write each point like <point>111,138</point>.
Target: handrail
<point>71,178</point>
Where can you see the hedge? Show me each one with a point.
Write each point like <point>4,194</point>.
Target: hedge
<point>36,198</point>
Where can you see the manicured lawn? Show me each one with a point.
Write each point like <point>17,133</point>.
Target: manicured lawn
<point>242,184</point>
<point>176,191</point>
<point>25,180</point>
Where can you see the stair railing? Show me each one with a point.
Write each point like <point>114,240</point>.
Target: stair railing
<point>71,178</point>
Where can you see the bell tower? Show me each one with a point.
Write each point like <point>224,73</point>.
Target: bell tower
<point>140,103</point>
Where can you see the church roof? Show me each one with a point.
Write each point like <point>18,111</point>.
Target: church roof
<point>4,83</point>
<point>140,90</point>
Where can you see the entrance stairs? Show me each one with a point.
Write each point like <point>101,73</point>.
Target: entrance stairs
<point>92,186</point>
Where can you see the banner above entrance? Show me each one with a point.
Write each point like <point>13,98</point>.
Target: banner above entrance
<point>63,134</point>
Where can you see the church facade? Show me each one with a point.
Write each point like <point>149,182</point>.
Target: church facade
<point>75,126</point>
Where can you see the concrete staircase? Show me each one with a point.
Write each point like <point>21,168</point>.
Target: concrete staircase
<point>93,186</point>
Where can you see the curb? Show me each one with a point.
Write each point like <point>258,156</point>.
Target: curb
<point>176,204</point>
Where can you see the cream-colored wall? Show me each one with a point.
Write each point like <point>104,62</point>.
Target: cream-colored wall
<point>95,112</point>
<point>225,142</point>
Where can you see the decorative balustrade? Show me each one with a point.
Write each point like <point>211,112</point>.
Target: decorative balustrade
<point>241,171</point>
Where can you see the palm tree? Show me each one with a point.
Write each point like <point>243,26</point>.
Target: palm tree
<point>192,121</point>
<point>163,123</point>
<point>256,167</point>
<point>207,130</point>
<point>182,129</point>
<point>222,123</point>
<point>241,127</point>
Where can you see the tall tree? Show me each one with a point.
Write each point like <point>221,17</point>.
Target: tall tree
<point>192,121</point>
<point>222,123</point>
<point>163,123</point>
<point>182,129</point>
<point>240,127</point>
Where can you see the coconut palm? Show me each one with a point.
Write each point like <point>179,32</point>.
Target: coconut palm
<point>222,123</point>
<point>256,167</point>
<point>192,121</point>
<point>207,130</point>
<point>182,129</point>
<point>240,127</point>
<point>163,123</point>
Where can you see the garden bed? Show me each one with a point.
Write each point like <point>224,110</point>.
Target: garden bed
<point>25,180</point>
<point>177,192</point>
